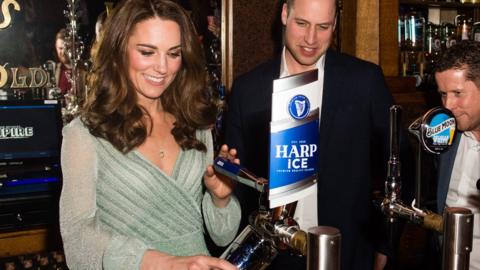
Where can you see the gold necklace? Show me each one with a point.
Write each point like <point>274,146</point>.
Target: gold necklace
<point>162,153</point>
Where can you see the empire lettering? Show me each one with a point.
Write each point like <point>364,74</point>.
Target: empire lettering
<point>15,132</point>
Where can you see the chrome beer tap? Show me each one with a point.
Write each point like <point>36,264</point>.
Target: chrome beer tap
<point>435,131</point>
<point>393,184</point>
<point>392,205</point>
<point>271,230</point>
<point>277,224</point>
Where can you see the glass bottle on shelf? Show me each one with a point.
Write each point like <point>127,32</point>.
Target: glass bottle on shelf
<point>412,50</point>
<point>401,31</point>
<point>464,27</point>
<point>433,42</point>
<point>448,35</point>
<point>413,64</point>
<point>414,30</point>
<point>476,31</point>
<point>433,45</point>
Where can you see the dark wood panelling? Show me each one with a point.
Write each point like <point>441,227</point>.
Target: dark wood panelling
<point>256,33</point>
<point>347,25</point>
<point>388,37</point>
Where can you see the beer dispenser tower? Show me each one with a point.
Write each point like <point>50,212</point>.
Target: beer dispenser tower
<point>456,224</point>
<point>271,230</point>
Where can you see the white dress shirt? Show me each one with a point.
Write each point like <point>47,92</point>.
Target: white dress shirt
<point>463,192</point>
<point>306,211</point>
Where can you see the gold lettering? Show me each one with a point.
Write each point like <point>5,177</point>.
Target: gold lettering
<point>18,81</point>
<point>3,76</point>
<point>39,77</point>
<point>7,19</point>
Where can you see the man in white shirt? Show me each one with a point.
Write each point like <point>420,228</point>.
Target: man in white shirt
<point>354,130</point>
<point>457,75</point>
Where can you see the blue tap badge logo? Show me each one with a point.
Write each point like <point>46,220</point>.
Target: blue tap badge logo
<point>441,130</point>
<point>299,107</point>
<point>437,130</point>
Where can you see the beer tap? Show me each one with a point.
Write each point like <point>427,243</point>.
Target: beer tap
<point>435,131</point>
<point>393,184</point>
<point>392,204</point>
<point>271,230</point>
<point>276,224</point>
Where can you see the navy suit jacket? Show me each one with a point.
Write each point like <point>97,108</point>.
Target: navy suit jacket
<point>445,166</point>
<point>354,133</point>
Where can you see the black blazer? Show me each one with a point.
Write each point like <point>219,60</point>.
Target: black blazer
<point>354,131</point>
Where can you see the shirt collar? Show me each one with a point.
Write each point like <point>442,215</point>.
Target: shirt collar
<point>284,68</point>
<point>472,141</point>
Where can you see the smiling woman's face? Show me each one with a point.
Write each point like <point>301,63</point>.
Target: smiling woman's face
<point>154,56</point>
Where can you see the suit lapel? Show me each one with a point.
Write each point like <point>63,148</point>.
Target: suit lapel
<point>446,162</point>
<point>329,101</point>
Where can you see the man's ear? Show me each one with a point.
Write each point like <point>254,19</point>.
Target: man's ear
<point>284,14</point>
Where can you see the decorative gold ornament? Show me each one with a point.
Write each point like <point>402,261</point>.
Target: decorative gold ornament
<point>7,18</point>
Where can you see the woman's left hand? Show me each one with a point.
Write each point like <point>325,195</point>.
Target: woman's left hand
<point>220,186</point>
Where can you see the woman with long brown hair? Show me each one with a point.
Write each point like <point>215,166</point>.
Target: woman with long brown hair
<point>133,162</point>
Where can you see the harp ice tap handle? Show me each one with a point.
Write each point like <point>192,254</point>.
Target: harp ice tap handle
<point>240,174</point>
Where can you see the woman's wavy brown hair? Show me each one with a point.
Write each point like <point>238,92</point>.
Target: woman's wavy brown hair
<point>111,110</point>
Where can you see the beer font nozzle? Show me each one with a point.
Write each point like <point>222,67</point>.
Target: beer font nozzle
<point>277,224</point>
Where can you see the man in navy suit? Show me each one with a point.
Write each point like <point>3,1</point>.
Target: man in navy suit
<point>457,75</point>
<point>354,129</point>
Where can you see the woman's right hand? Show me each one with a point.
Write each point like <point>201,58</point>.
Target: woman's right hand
<point>155,260</point>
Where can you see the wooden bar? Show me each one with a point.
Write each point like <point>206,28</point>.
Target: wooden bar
<point>388,35</point>
<point>367,35</point>
<point>23,242</point>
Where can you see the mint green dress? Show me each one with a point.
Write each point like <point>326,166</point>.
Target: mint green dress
<point>115,206</point>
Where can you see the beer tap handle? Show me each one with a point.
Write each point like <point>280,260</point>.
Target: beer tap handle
<point>393,183</point>
<point>433,221</point>
<point>415,129</point>
<point>240,174</point>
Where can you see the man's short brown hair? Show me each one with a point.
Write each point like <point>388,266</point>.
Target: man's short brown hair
<point>464,55</point>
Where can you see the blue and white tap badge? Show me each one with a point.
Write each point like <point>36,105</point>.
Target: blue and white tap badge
<point>441,130</point>
<point>294,133</point>
<point>438,130</point>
